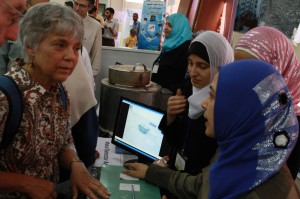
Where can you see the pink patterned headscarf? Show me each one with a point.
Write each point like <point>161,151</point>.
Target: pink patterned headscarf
<point>270,45</point>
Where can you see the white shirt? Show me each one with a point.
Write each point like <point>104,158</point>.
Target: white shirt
<point>93,42</point>
<point>113,23</point>
<point>87,63</point>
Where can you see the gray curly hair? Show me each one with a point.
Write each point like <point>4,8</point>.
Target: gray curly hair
<point>46,18</point>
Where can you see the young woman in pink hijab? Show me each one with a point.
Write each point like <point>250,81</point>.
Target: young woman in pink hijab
<point>270,45</point>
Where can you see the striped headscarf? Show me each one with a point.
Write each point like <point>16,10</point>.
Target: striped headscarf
<point>270,45</point>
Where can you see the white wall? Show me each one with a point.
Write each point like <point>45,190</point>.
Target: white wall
<point>136,6</point>
<point>103,2</point>
<point>117,5</point>
<point>58,1</point>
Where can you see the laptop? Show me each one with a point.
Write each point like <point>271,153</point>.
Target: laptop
<point>136,130</point>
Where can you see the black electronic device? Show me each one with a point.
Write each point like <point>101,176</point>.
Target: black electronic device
<point>136,130</point>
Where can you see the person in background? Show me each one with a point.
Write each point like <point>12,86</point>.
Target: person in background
<point>131,41</point>
<point>93,12</point>
<point>270,45</point>
<point>184,124</point>
<point>69,3</point>
<point>92,34</point>
<point>169,69</point>
<point>84,120</point>
<point>11,49</point>
<point>51,35</point>
<point>84,54</point>
<point>256,134</point>
<point>136,24</point>
<point>10,13</point>
<point>88,66</point>
<point>111,28</point>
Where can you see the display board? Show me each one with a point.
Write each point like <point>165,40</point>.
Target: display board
<point>151,27</point>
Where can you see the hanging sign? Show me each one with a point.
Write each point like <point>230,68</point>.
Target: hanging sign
<point>151,25</point>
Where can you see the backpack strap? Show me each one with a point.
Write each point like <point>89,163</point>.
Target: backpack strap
<point>15,100</point>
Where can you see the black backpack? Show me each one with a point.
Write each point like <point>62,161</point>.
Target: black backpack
<point>15,100</point>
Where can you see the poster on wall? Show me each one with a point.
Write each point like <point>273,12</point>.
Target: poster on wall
<point>151,25</point>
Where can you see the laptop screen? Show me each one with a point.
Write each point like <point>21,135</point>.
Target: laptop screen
<point>136,129</point>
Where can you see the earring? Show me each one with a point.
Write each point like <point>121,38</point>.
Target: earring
<point>31,65</point>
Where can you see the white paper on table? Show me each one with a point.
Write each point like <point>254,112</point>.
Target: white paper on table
<point>127,187</point>
<point>127,177</point>
<point>108,155</point>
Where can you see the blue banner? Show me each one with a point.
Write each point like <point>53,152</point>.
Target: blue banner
<point>152,23</point>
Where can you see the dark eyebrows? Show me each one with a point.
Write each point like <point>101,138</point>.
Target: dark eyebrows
<point>203,63</point>
<point>199,62</point>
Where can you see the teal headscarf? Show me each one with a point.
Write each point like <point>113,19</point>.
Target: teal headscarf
<point>180,33</point>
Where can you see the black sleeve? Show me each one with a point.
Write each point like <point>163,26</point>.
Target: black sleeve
<point>172,68</point>
<point>173,132</point>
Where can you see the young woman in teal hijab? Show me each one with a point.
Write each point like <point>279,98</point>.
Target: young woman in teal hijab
<point>180,32</point>
<point>170,67</point>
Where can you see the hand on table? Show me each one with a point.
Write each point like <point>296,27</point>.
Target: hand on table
<point>163,162</point>
<point>82,180</point>
<point>97,154</point>
<point>137,170</point>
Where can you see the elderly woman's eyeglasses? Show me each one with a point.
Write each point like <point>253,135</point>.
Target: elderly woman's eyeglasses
<point>80,5</point>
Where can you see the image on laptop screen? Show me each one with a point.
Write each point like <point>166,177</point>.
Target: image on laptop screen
<point>136,129</point>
